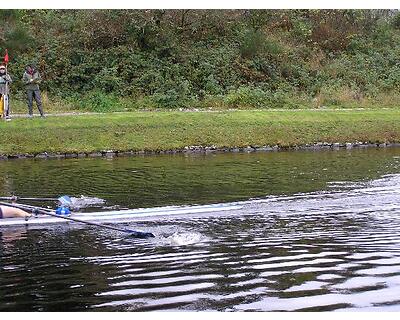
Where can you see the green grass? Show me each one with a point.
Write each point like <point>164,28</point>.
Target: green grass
<point>155,131</point>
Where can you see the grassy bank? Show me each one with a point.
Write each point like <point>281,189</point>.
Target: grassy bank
<point>174,130</point>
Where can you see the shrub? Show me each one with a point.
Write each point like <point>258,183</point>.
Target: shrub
<point>252,43</point>
<point>97,101</point>
<point>338,96</point>
<point>396,21</point>
<point>245,97</point>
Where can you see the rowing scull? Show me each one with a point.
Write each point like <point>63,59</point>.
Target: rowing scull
<point>120,216</point>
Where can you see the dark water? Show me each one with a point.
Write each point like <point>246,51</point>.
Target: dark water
<point>308,231</point>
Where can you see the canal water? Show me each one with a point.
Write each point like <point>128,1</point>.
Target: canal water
<point>300,231</point>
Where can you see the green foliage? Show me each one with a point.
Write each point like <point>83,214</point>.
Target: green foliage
<point>396,21</point>
<point>178,95</point>
<point>245,97</point>
<point>253,43</point>
<point>17,39</point>
<point>13,34</point>
<point>108,80</point>
<point>97,101</point>
<point>216,58</point>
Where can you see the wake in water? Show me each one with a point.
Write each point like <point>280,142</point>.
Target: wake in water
<point>381,196</point>
<point>84,202</point>
<point>378,197</point>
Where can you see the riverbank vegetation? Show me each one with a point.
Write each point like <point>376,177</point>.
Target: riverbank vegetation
<point>114,60</point>
<point>160,131</point>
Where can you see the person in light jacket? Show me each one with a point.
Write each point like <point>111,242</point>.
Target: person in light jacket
<point>5,81</point>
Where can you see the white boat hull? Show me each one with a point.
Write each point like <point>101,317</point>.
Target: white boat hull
<point>118,216</point>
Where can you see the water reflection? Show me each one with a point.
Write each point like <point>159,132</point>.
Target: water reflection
<point>176,179</point>
<point>9,238</point>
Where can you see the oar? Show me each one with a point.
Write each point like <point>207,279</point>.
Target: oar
<point>15,198</point>
<point>49,212</point>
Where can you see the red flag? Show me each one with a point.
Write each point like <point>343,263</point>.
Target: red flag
<point>6,57</point>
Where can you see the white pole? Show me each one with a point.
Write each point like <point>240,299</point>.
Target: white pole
<point>6,100</point>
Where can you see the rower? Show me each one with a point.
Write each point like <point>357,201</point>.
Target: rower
<point>11,212</point>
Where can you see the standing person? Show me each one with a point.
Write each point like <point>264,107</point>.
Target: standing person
<point>5,81</point>
<point>31,80</point>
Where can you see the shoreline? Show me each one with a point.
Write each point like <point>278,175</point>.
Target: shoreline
<point>319,146</point>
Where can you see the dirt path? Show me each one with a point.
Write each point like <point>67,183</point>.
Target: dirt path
<point>77,113</point>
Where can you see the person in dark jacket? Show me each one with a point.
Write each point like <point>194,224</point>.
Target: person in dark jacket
<point>32,79</point>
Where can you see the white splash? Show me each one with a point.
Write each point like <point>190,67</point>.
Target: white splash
<point>182,239</point>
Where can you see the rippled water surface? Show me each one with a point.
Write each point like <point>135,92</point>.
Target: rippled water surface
<point>305,231</point>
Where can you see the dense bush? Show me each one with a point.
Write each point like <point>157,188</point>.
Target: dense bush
<point>97,101</point>
<point>105,60</point>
